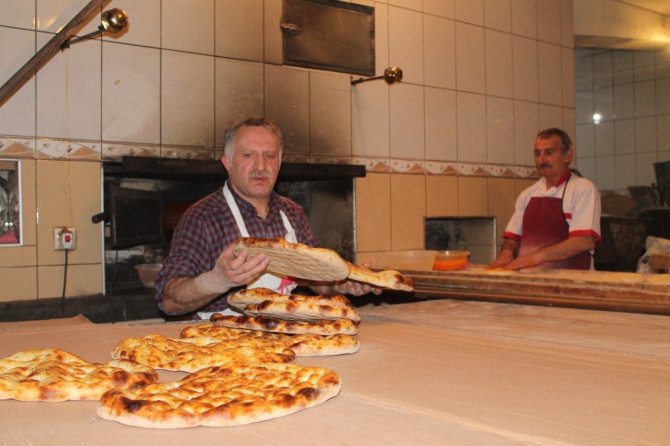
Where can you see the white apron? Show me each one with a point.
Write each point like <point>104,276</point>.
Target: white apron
<point>267,280</point>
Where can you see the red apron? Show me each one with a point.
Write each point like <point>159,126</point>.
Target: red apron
<point>543,225</point>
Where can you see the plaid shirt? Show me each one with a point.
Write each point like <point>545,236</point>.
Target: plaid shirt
<point>208,227</point>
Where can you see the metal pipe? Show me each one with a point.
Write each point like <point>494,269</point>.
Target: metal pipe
<point>45,54</point>
<point>391,75</point>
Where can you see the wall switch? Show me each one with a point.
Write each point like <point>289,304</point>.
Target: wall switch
<point>65,238</point>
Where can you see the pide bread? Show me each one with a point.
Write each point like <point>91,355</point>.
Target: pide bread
<point>55,375</point>
<point>222,396</point>
<point>296,260</point>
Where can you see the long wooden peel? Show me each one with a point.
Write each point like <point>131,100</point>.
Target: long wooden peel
<point>45,54</point>
<point>612,291</point>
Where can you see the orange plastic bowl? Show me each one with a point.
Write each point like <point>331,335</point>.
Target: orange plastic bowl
<point>450,260</point>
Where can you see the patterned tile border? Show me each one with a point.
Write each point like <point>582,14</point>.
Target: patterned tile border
<point>71,150</point>
<point>16,147</point>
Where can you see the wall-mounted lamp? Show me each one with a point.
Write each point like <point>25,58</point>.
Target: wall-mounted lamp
<point>391,75</point>
<point>113,21</point>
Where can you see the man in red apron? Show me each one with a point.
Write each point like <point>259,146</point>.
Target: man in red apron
<point>556,222</point>
<point>200,268</point>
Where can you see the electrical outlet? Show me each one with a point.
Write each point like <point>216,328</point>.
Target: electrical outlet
<point>65,238</point>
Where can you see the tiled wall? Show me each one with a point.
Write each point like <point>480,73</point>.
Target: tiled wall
<point>630,90</point>
<point>454,138</point>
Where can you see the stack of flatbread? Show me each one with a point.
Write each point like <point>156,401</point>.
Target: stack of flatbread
<point>265,310</point>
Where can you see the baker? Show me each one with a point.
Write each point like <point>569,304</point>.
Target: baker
<point>556,221</point>
<point>200,267</point>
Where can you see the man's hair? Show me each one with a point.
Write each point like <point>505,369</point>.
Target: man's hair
<point>249,121</point>
<point>566,142</point>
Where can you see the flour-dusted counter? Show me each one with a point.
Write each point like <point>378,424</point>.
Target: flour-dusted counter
<point>429,373</point>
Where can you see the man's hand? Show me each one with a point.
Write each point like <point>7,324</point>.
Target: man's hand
<point>186,294</point>
<point>231,270</point>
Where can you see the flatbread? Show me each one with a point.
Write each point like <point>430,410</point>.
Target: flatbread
<point>321,327</point>
<point>55,375</point>
<point>222,396</point>
<point>193,354</point>
<point>296,260</point>
<point>246,296</point>
<point>302,345</point>
<point>265,302</point>
<point>389,279</point>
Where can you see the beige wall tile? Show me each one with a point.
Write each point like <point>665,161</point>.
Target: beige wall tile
<point>195,34</point>
<point>408,209</point>
<point>272,36</point>
<point>441,130</point>
<point>68,93</point>
<point>13,256</point>
<point>373,212</point>
<point>443,8</point>
<point>524,18</point>
<point>525,67</point>
<point>550,74</point>
<point>18,14</point>
<point>18,284</point>
<point>370,124</point>
<point>471,127</point>
<point>330,113</point>
<point>145,17</point>
<point>498,14</point>
<point>471,11</point>
<point>470,58</point>
<point>522,184</point>
<point>499,80</point>
<point>68,194</point>
<point>244,20</point>
<point>441,196</point>
<point>439,52</point>
<point>239,91</point>
<point>405,36</point>
<point>407,122</point>
<point>17,115</point>
<point>549,21</point>
<point>472,196</point>
<point>187,99</point>
<point>501,196</point>
<point>287,101</point>
<point>82,280</point>
<point>131,78</point>
<point>526,126</point>
<point>381,38</point>
<point>499,130</point>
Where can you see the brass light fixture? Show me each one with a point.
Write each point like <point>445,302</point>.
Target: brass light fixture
<point>113,21</point>
<point>391,75</point>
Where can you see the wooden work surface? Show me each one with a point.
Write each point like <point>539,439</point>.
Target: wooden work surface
<point>442,372</point>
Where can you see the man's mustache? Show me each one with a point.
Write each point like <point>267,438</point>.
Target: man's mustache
<point>544,166</point>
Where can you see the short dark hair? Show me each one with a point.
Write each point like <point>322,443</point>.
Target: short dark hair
<point>566,142</point>
<point>250,121</point>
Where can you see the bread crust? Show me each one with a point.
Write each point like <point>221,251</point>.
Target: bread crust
<point>321,327</point>
<point>193,354</point>
<point>302,345</point>
<point>223,396</point>
<point>296,260</point>
<point>54,375</point>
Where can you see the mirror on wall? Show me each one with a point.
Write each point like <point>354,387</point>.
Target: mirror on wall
<point>10,202</point>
